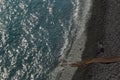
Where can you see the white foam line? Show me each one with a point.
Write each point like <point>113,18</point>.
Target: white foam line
<point>75,53</point>
<point>66,73</point>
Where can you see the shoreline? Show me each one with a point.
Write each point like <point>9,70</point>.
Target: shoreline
<point>74,52</point>
<point>77,48</point>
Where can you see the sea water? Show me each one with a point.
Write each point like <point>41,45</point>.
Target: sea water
<point>34,35</point>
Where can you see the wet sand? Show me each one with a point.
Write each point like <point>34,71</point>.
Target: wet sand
<point>103,27</point>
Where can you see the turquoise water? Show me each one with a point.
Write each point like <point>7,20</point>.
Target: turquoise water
<point>32,34</point>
